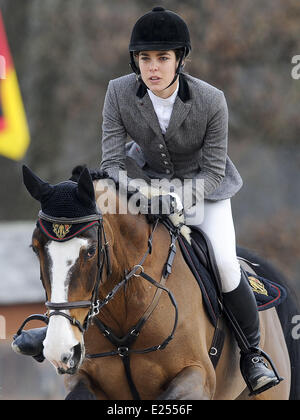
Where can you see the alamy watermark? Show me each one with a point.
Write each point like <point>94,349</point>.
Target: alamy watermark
<point>296,69</point>
<point>296,328</point>
<point>2,328</point>
<point>136,196</point>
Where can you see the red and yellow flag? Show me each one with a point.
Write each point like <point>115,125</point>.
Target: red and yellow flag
<point>14,133</point>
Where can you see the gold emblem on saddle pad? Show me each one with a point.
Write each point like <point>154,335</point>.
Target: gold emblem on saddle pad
<point>257,286</point>
<point>61,230</point>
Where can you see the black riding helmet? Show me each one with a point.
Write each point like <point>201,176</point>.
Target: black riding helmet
<point>160,30</point>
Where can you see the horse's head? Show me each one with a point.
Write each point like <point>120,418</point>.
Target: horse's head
<point>68,240</point>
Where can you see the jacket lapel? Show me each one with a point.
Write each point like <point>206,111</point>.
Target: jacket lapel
<point>146,108</point>
<point>181,107</point>
<point>179,114</point>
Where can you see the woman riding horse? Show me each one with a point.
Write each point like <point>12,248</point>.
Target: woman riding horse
<point>179,126</point>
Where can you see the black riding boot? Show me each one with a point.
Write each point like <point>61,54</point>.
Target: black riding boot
<point>30,343</point>
<point>241,305</point>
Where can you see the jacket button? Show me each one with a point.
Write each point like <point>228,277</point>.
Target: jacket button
<point>161,146</point>
<point>168,171</point>
<point>166,162</point>
<point>163,155</point>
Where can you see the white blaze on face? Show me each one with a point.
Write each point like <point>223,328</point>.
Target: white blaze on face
<point>60,338</point>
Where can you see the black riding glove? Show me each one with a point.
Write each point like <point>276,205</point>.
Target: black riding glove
<point>161,206</point>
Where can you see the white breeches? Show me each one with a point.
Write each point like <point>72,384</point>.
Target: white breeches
<point>217,223</point>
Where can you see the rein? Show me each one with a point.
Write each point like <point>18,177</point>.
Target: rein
<point>124,343</point>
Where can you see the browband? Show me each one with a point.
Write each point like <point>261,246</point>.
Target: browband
<point>72,221</point>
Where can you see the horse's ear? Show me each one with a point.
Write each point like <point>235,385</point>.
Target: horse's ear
<point>86,192</point>
<point>38,188</point>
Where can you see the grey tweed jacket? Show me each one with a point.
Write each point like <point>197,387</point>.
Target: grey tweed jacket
<point>194,146</point>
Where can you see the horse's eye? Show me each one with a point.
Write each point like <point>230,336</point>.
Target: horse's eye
<point>91,251</point>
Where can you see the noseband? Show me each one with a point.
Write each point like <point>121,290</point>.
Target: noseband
<point>94,305</point>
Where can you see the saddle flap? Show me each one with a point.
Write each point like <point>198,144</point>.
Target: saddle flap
<point>200,259</point>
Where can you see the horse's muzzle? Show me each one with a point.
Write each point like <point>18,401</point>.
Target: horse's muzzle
<point>71,362</point>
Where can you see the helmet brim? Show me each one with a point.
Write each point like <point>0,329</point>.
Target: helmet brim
<point>158,46</point>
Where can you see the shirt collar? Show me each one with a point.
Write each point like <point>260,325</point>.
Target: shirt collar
<point>164,101</point>
<point>183,91</point>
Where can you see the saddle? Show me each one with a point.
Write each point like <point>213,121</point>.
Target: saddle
<point>199,257</point>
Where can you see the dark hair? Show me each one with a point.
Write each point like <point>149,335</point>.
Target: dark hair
<point>178,53</point>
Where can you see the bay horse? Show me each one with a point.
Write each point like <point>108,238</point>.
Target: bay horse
<point>108,277</point>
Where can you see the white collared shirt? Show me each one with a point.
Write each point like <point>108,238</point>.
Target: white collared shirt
<point>163,108</point>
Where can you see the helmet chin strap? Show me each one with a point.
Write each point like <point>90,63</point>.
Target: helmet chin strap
<point>137,71</point>
<point>132,64</point>
<point>178,70</point>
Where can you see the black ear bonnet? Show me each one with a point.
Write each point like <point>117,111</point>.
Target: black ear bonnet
<point>67,208</point>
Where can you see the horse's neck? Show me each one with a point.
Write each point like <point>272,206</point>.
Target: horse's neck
<point>128,241</point>
<point>127,236</point>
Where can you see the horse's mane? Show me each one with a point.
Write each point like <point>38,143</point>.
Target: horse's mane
<point>132,169</point>
<point>99,174</point>
<point>96,174</point>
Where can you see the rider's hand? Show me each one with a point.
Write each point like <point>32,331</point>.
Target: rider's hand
<point>163,205</point>
<point>176,203</point>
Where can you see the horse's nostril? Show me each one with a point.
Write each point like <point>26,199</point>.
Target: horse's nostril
<point>77,353</point>
<point>71,359</point>
<point>66,357</point>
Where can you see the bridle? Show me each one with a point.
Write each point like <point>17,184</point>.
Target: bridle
<point>94,305</point>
